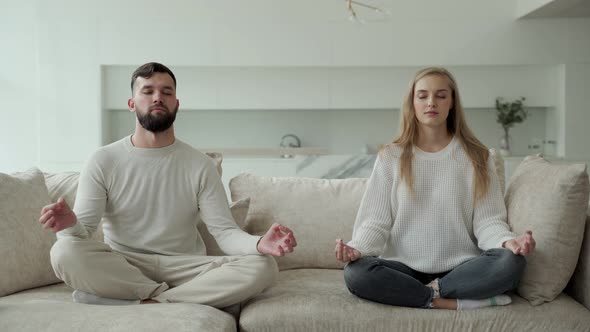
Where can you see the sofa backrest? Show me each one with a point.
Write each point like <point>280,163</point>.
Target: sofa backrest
<point>317,210</point>
<point>24,244</point>
<point>579,285</point>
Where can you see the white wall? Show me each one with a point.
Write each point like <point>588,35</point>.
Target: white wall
<point>577,110</point>
<point>75,38</point>
<point>19,79</point>
<point>330,87</point>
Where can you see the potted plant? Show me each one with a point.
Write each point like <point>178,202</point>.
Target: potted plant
<point>508,114</point>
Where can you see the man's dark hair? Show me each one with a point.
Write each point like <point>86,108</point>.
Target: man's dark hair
<point>148,69</point>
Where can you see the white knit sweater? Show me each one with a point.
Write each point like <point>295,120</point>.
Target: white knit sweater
<point>439,227</point>
<point>150,200</point>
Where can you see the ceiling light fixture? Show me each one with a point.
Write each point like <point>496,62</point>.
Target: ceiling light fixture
<point>350,5</point>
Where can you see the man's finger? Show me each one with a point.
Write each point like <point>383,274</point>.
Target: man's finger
<point>62,204</point>
<point>275,228</point>
<point>293,240</point>
<point>285,229</point>
<point>287,247</point>
<point>48,208</point>
<point>43,219</point>
<point>50,223</point>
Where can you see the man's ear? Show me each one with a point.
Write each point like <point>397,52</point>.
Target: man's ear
<point>131,105</point>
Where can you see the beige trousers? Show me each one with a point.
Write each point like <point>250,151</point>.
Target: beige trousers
<point>218,281</point>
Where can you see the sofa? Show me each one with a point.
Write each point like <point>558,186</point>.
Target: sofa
<point>310,293</point>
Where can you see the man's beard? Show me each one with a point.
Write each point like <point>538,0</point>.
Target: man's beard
<point>156,123</point>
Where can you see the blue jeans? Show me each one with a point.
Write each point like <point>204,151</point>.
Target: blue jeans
<point>494,272</point>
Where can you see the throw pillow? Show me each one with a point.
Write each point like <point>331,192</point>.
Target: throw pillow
<point>239,210</point>
<point>550,200</point>
<point>24,243</point>
<point>579,288</point>
<point>62,185</point>
<point>217,158</point>
<point>316,210</point>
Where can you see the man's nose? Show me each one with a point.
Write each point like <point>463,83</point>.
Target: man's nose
<point>157,98</point>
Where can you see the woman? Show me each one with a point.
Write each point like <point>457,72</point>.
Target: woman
<point>431,230</point>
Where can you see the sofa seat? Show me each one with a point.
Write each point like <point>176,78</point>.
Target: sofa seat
<point>50,308</point>
<point>317,300</point>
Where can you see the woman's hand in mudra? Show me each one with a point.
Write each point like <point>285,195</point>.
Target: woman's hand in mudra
<point>346,253</point>
<point>521,245</point>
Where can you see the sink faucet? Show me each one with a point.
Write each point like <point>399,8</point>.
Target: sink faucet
<point>290,141</point>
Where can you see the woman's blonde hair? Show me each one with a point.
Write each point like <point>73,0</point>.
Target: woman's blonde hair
<point>456,125</point>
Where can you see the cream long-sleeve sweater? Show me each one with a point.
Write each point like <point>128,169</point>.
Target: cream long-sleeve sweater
<point>439,227</point>
<point>150,199</point>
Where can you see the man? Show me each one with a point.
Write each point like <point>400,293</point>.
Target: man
<point>150,188</point>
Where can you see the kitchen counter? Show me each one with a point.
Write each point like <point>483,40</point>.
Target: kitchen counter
<point>268,152</point>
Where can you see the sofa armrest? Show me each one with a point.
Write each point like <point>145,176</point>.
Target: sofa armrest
<point>579,285</point>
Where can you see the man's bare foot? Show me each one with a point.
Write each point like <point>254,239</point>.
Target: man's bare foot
<point>148,301</point>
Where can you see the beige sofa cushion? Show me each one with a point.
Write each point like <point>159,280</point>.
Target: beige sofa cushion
<point>550,200</point>
<point>62,185</point>
<point>318,211</point>
<point>24,243</point>
<point>317,300</point>
<point>50,309</point>
<point>579,286</point>
<point>239,211</point>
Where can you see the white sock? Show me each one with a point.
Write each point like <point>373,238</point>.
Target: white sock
<point>463,304</point>
<point>87,298</point>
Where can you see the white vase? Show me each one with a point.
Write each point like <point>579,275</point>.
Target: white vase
<point>505,143</point>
